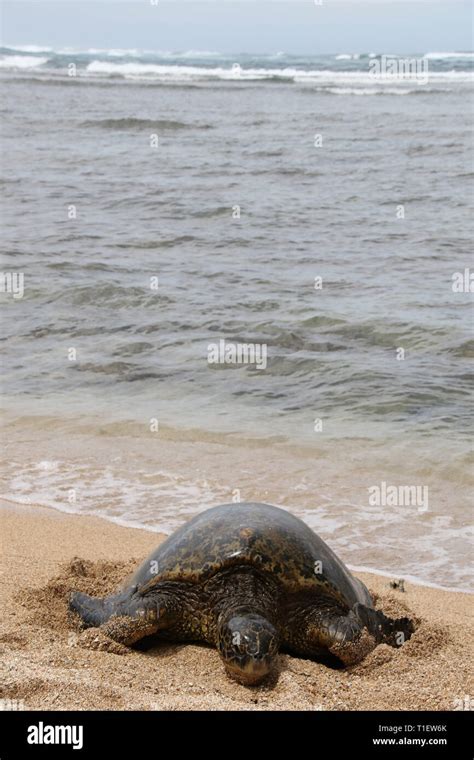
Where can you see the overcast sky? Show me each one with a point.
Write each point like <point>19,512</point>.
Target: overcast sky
<point>229,26</point>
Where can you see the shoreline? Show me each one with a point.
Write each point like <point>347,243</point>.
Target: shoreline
<point>48,664</point>
<point>130,524</point>
<point>138,479</point>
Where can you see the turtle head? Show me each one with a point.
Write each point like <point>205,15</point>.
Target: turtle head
<point>248,645</point>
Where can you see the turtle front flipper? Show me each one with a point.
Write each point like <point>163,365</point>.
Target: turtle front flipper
<point>314,631</point>
<point>350,636</point>
<point>142,616</point>
<point>129,630</point>
<point>344,636</point>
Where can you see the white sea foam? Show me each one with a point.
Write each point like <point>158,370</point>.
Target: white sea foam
<point>443,56</point>
<point>366,77</point>
<point>160,501</point>
<point>381,90</point>
<point>196,54</point>
<point>21,62</point>
<point>158,512</point>
<point>170,72</point>
<point>29,48</point>
<point>116,52</point>
<point>415,579</point>
<point>375,539</point>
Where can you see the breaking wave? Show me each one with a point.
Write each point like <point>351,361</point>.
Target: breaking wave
<point>167,72</point>
<point>22,62</point>
<point>446,56</point>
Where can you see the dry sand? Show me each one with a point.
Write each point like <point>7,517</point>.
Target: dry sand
<point>47,664</point>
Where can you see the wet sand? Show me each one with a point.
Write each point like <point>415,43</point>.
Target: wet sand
<point>46,663</point>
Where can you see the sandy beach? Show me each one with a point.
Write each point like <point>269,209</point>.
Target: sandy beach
<point>46,663</point>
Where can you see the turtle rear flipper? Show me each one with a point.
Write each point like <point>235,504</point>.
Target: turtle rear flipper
<point>124,617</point>
<point>95,611</point>
<point>92,611</point>
<point>384,629</point>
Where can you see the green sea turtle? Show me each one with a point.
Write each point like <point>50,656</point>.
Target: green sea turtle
<point>249,579</point>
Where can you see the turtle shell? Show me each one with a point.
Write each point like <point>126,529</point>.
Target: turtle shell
<point>259,535</point>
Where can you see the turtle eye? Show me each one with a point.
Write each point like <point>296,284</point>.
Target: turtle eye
<point>253,644</point>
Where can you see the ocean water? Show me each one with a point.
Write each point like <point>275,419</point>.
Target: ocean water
<point>157,203</point>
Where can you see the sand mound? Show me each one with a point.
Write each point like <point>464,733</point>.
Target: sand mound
<point>48,606</point>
